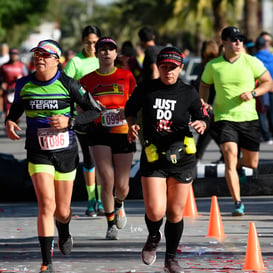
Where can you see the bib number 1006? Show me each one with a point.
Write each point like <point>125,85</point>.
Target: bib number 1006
<point>52,140</point>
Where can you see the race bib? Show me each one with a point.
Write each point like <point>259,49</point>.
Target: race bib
<point>53,139</point>
<point>111,118</point>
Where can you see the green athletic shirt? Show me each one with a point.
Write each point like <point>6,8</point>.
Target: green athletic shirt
<point>80,65</point>
<point>41,100</point>
<point>230,81</point>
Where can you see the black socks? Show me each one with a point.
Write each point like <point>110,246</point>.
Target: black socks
<point>173,233</point>
<point>47,247</point>
<point>153,227</point>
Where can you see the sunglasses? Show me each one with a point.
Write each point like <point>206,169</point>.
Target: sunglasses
<point>44,55</point>
<point>239,38</point>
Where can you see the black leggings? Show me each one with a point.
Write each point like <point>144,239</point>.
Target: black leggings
<point>88,161</point>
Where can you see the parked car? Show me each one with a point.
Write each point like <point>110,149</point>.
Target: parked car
<point>191,70</point>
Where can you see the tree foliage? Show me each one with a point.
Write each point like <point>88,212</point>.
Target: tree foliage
<point>17,17</point>
<point>183,23</point>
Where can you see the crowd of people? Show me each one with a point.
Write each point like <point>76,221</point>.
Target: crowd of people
<point>109,96</point>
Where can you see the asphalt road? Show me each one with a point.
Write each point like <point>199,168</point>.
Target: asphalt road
<point>19,248</point>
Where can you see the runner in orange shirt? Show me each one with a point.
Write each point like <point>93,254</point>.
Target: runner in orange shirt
<point>113,154</point>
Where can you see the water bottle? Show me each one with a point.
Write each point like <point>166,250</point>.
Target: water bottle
<point>151,152</point>
<point>189,144</point>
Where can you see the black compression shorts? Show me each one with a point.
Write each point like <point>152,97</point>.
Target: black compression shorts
<point>63,161</point>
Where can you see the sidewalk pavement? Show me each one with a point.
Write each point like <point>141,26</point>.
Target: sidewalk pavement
<point>19,249</point>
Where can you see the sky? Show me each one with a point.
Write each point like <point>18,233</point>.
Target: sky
<point>105,2</point>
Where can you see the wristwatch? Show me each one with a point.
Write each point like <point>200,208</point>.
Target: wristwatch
<point>71,122</point>
<point>253,94</point>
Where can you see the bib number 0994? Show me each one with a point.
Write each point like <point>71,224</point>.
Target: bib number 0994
<point>112,118</point>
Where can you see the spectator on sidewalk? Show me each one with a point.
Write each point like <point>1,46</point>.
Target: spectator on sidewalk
<point>10,72</point>
<point>4,58</point>
<point>147,38</point>
<point>127,60</point>
<point>265,56</point>
<point>4,53</point>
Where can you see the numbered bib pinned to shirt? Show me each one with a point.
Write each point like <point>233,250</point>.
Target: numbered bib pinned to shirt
<point>111,118</point>
<point>53,139</point>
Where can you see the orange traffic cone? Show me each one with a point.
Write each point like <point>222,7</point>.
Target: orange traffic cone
<point>254,259</point>
<point>216,228</point>
<point>190,209</point>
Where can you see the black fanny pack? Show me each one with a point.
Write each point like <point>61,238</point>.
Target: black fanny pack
<point>175,152</point>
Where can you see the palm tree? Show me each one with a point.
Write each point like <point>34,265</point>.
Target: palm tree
<point>251,19</point>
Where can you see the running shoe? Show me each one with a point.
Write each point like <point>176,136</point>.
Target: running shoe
<point>100,209</point>
<point>47,268</point>
<point>172,266</point>
<point>91,209</point>
<point>112,233</point>
<point>238,209</point>
<point>65,244</point>
<point>148,253</point>
<point>120,217</point>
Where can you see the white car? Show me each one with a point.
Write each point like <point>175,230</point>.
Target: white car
<point>190,70</point>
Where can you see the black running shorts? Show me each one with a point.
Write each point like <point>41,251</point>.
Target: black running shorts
<point>183,171</point>
<point>247,134</point>
<point>99,135</point>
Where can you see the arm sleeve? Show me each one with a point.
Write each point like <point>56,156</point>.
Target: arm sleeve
<point>132,84</point>
<point>16,111</point>
<point>134,103</point>
<point>86,102</point>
